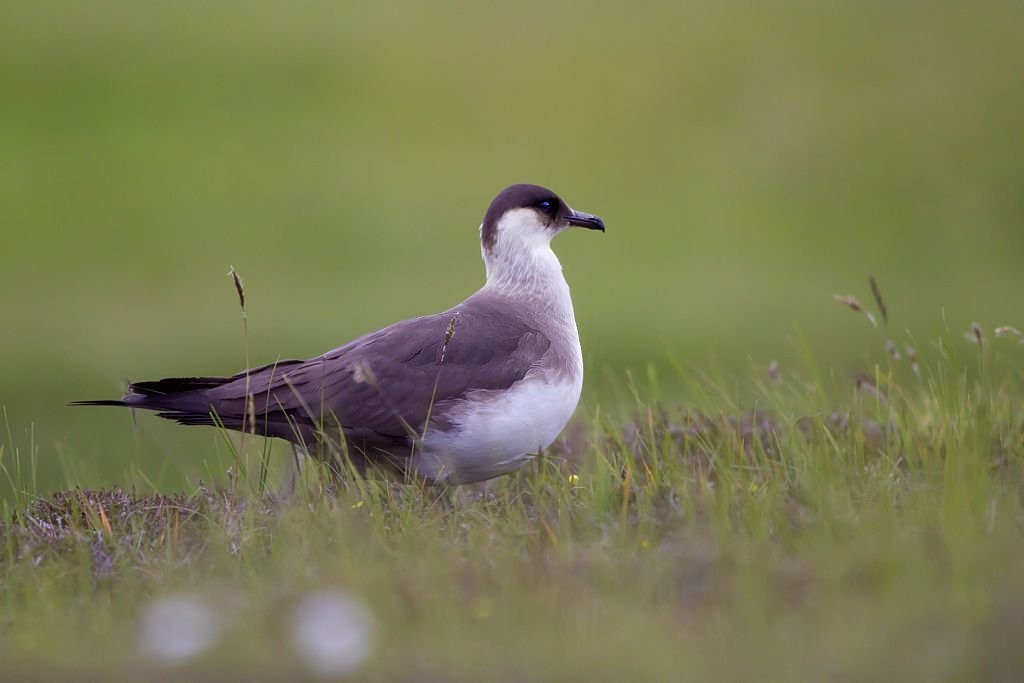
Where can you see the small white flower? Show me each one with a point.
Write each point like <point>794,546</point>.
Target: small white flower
<point>333,633</point>
<point>177,629</point>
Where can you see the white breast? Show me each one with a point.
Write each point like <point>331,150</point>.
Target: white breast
<point>497,432</point>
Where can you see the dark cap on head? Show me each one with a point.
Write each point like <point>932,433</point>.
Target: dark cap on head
<point>524,195</point>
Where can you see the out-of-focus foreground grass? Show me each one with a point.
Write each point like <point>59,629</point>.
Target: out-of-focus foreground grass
<point>749,162</point>
<point>881,541</point>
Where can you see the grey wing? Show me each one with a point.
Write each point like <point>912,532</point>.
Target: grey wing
<point>381,388</point>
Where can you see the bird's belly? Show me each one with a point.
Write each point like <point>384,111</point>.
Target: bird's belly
<point>494,433</point>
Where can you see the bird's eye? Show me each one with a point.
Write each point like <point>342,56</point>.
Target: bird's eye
<point>547,206</point>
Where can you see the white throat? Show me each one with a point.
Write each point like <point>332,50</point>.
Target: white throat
<point>520,264</point>
<point>521,255</point>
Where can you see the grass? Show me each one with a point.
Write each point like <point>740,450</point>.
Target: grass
<point>811,537</point>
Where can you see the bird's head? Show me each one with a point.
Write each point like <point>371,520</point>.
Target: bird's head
<point>523,219</point>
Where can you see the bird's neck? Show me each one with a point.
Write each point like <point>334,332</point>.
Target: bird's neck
<point>531,273</point>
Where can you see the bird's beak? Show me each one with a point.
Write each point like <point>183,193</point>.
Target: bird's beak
<point>585,220</point>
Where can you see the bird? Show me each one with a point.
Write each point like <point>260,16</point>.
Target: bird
<point>458,397</point>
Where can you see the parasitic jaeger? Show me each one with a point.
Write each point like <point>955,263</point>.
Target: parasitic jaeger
<point>456,397</point>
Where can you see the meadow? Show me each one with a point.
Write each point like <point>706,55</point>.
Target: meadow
<point>880,540</point>
<point>758,482</point>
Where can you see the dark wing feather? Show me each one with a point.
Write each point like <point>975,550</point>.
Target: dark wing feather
<point>177,385</point>
<point>380,386</point>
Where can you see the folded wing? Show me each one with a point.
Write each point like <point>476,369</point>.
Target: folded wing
<point>378,389</point>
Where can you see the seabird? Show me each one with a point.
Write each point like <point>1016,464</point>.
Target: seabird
<point>453,398</point>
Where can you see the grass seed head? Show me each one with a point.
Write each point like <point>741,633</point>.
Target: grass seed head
<point>448,336</point>
<point>975,335</point>
<point>912,357</point>
<point>239,287</point>
<point>867,385</point>
<point>362,374</point>
<point>450,332</point>
<point>879,300</point>
<point>1008,331</point>
<point>852,303</point>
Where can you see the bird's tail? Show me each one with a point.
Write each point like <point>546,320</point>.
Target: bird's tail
<point>187,400</point>
<point>177,385</point>
<point>160,394</point>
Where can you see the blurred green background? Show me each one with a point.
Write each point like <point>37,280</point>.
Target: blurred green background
<point>749,160</point>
